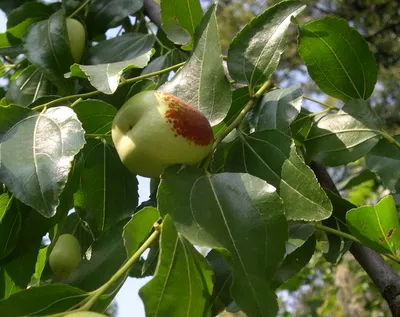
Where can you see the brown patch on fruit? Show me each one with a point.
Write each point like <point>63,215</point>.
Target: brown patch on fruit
<point>187,121</point>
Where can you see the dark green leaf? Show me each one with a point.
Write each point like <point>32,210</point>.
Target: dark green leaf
<point>29,10</point>
<point>104,14</point>
<point>300,128</point>
<point>145,84</point>
<point>30,85</point>
<point>255,52</point>
<point>14,35</point>
<point>138,228</point>
<point>376,226</point>
<point>338,59</point>
<point>277,109</point>
<point>10,224</point>
<point>47,47</point>
<point>106,77</point>
<point>272,156</point>
<point>356,179</point>
<point>384,160</point>
<point>180,19</point>
<point>108,191</point>
<point>238,212</point>
<point>345,136</point>
<point>33,165</point>
<point>299,233</point>
<point>182,284</point>
<point>96,116</point>
<point>202,81</point>
<point>121,48</point>
<point>40,301</point>
<point>294,262</point>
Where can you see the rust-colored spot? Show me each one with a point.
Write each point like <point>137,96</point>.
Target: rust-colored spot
<point>381,240</point>
<point>187,121</point>
<point>390,234</point>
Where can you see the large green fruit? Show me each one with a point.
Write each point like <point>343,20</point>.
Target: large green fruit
<point>85,314</point>
<point>65,256</point>
<point>77,38</point>
<point>154,130</point>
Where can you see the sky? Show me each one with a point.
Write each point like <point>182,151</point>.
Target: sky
<point>128,300</point>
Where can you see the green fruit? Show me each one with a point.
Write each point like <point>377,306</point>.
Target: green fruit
<point>154,130</point>
<point>77,38</point>
<point>85,314</point>
<point>65,256</point>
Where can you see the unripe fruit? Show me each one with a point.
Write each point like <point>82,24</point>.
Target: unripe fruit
<point>77,38</point>
<point>85,314</point>
<point>154,130</point>
<point>65,256</point>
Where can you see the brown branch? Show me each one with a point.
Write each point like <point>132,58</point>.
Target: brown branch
<point>380,272</point>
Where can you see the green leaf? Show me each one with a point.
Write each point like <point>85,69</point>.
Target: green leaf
<point>356,178</point>
<point>202,81</point>
<point>16,274</point>
<point>221,297</point>
<point>96,116</point>
<point>44,300</point>
<point>376,226</point>
<point>30,85</point>
<point>345,136</point>
<point>182,284</point>
<point>277,110</point>
<point>105,256</point>
<point>301,127</point>
<point>138,228</point>
<point>299,233</point>
<point>29,10</point>
<point>106,77</point>
<point>10,224</point>
<point>384,160</point>
<point>108,191</point>
<point>120,48</point>
<point>104,14</point>
<point>272,156</point>
<point>180,19</point>
<point>255,52</point>
<point>295,262</point>
<point>238,212</point>
<point>33,165</point>
<point>47,46</point>
<point>13,36</point>
<point>338,59</point>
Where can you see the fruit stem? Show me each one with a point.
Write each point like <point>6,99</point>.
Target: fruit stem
<point>80,8</point>
<point>388,137</point>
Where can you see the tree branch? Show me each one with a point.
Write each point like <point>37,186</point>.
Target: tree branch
<point>152,10</point>
<point>380,272</point>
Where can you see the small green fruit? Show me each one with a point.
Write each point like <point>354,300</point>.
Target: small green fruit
<point>77,38</point>
<point>154,130</point>
<point>65,256</point>
<point>85,314</point>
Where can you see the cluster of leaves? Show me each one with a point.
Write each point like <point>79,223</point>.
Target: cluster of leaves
<point>255,202</point>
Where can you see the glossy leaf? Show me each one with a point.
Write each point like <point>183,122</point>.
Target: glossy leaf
<point>29,10</point>
<point>272,156</point>
<point>299,233</point>
<point>120,48</point>
<point>96,116</point>
<point>255,52</point>
<point>384,160</point>
<point>106,77</point>
<point>13,36</point>
<point>180,19</point>
<point>376,226</point>
<point>41,301</point>
<point>202,81</point>
<point>104,14</point>
<point>30,85</point>
<point>301,127</point>
<point>338,59</point>
<point>34,166</point>
<point>108,191</point>
<point>277,110</point>
<point>47,47</point>
<point>182,284</point>
<point>238,212</point>
<point>343,137</point>
<point>138,228</point>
